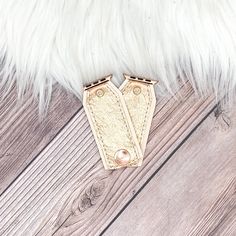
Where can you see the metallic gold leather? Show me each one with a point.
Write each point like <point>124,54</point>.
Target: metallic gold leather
<point>140,99</point>
<point>111,124</point>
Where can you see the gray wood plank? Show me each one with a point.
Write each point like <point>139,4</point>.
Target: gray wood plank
<point>23,134</point>
<point>66,190</point>
<point>194,193</point>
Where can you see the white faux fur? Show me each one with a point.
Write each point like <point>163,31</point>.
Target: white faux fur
<point>73,42</point>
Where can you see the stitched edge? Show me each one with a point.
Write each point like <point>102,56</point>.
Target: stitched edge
<point>148,106</point>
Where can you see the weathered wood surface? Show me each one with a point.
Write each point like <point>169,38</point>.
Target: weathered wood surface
<point>194,193</point>
<point>66,190</point>
<point>23,134</point>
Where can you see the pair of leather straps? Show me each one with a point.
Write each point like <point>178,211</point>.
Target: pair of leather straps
<point>120,118</point>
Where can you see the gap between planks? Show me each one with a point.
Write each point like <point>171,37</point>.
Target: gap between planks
<point>66,190</point>
<point>194,194</point>
<point>23,134</point>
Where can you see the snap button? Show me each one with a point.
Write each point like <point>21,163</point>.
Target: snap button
<point>122,157</point>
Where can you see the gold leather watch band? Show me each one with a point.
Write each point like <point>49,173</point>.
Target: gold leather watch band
<point>140,99</point>
<point>120,119</point>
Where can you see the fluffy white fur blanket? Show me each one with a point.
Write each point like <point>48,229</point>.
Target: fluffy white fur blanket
<point>73,42</point>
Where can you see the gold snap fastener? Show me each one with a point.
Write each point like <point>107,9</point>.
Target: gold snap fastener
<point>137,90</point>
<point>99,92</point>
<point>122,157</point>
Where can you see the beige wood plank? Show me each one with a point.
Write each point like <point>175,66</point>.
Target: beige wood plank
<point>23,134</point>
<point>66,191</point>
<point>194,193</point>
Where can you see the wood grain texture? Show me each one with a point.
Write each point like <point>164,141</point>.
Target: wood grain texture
<point>194,193</point>
<point>23,134</point>
<point>66,190</point>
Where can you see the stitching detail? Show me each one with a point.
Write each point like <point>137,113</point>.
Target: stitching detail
<point>148,108</point>
<point>95,121</point>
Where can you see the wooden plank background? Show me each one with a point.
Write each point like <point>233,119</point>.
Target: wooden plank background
<point>23,134</point>
<point>54,182</point>
<point>194,193</point>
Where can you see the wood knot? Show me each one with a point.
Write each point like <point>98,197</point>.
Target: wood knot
<point>223,121</point>
<point>5,155</point>
<point>91,195</point>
